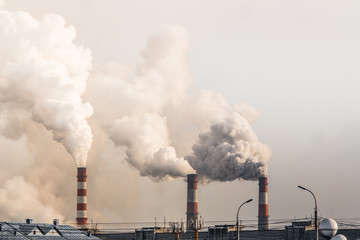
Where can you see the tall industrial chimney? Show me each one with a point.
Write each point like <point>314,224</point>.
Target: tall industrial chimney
<point>263,217</point>
<point>192,212</point>
<point>81,216</point>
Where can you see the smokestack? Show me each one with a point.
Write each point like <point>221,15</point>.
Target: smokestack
<point>263,217</point>
<point>81,216</point>
<point>192,212</point>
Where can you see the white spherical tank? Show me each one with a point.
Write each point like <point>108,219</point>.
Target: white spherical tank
<point>339,237</point>
<point>328,227</point>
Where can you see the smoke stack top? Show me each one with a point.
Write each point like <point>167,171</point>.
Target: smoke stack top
<point>81,216</point>
<point>192,212</point>
<point>263,216</point>
<point>229,151</point>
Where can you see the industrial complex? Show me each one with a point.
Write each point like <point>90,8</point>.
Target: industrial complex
<point>194,228</point>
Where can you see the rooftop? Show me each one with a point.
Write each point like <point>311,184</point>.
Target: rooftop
<point>19,231</point>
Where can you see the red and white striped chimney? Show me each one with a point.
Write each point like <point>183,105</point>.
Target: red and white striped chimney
<point>81,216</point>
<point>263,217</point>
<point>192,212</point>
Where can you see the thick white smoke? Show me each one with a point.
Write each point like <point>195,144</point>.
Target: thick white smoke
<point>148,149</point>
<point>229,151</point>
<point>157,120</point>
<point>42,76</point>
<point>138,120</point>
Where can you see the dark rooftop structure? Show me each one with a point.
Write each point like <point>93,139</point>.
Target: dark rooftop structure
<point>37,231</point>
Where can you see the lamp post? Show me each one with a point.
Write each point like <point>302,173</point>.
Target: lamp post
<point>316,225</point>
<point>237,219</point>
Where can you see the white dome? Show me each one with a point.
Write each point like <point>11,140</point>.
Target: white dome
<point>339,237</point>
<point>328,228</point>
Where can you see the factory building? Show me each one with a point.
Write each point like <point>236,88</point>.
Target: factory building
<point>41,231</point>
<point>297,231</point>
<point>223,231</point>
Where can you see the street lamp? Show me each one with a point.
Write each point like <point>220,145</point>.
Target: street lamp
<point>237,219</point>
<point>316,225</point>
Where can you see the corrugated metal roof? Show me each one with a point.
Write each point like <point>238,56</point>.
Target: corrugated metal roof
<point>23,231</point>
<point>45,229</point>
<point>8,232</point>
<point>27,228</point>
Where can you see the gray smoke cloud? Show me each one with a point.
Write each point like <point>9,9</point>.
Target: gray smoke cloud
<point>42,76</point>
<point>157,120</point>
<point>229,150</point>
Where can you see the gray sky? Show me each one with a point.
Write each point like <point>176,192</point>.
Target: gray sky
<point>296,62</point>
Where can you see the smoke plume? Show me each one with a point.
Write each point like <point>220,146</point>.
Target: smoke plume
<point>42,76</point>
<point>157,120</point>
<point>230,150</point>
<point>147,117</point>
<point>140,122</point>
<point>148,149</point>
